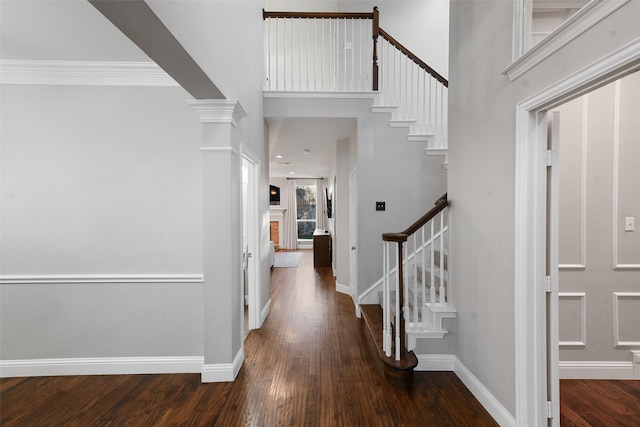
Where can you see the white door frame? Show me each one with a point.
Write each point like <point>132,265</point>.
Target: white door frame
<point>353,237</point>
<point>531,227</point>
<point>253,238</point>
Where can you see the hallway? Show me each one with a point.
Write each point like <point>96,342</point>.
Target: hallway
<point>307,366</point>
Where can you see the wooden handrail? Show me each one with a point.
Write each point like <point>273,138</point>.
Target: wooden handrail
<point>376,31</point>
<point>413,57</point>
<point>402,236</point>
<point>321,15</point>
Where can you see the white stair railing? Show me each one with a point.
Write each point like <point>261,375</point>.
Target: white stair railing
<point>349,52</point>
<point>405,275</point>
<point>418,91</point>
<point>318,52</point>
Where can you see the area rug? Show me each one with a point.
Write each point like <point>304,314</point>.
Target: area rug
<point>287,259</point>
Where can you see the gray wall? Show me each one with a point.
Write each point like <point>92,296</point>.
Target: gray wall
<point>106,182</point>
<point>600,172</point>
<point>482,172</point>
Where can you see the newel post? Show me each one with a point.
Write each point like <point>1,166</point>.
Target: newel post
<point>376,33</point>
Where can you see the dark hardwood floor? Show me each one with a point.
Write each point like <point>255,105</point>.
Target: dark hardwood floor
<point>600,403</point>
<point>307,366</point>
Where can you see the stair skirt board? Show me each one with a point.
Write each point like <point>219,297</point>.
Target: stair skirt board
<point>450,362</point>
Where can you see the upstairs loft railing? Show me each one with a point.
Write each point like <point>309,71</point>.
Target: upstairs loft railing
<point>415,282</point>
<point>349,52</point>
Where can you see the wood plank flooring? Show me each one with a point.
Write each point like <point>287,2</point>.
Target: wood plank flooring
<point>591,403</point>
<point>307,366</point>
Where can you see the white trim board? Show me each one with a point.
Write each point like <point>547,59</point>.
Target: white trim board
<point>450,362</point>
<point>99,278</point>
<point>599,370</point>
<point>530,227</point>
<point>265,312</point>
<point>594,12</point>
<point>84,73</point>
<point>223,372</point>
<point>100,366</point>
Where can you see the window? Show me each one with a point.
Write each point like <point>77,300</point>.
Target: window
<point>306,210</point>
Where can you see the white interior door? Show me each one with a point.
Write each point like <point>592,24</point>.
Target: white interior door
<point>250,227</point>
<point>553,212</point>
<point>353,235</point>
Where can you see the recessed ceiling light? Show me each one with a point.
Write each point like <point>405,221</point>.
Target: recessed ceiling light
<point>290,173</point>
<point>307,151</point>
<point>279,156</point>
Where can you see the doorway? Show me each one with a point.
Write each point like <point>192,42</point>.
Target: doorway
<point>250,243</point>
<point>536,374</point>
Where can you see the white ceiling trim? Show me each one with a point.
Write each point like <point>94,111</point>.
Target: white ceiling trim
<point>83,73</point>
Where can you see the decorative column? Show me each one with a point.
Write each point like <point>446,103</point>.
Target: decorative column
<point>222,237</point>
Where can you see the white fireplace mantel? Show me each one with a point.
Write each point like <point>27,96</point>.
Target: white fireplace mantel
<point>277,212</point>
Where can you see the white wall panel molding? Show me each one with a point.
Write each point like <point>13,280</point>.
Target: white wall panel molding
<point>618,317</point>
<point>100,278</point>
<point>222,372</point>
<point>594,12</point>
<point>582,265</point>
<point>83,73</point>
<point>101,366</point>
<point>616,183</point>
<point>598,370</point>
<point>581,296</point>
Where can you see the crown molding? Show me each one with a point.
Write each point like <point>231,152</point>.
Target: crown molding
<point>83,73</point>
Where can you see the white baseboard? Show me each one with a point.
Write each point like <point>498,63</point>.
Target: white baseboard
<point>450,362</point>
<point>223,372</point>
<point>344,289</point>
<point>265,312</point>
<point>599,370</point>
<point>435,362</point>
<point>101,366</point>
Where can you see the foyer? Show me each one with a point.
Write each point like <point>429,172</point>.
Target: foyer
<point>307,366</point>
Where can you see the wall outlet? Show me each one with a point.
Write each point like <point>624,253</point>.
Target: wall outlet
<point>629,223</point>
<point>381,206</point>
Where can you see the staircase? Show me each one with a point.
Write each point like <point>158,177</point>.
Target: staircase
<point>349,54</point>
<point>412,294</point>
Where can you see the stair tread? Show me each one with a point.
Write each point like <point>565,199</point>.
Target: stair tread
<point>372,314</point>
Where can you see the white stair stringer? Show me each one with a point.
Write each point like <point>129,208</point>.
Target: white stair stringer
<point>430,322</point>
<point>418,130</point>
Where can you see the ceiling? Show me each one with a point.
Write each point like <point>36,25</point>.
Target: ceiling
<point>290,137</point>
<point>74,30</point>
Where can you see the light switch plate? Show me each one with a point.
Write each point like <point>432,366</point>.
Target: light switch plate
<point>629,223</point>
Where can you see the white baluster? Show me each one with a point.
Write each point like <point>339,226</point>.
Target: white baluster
<point>398,311</point>
<point>442,289</point>
<point>432,283</point>
<point>424,277</point>
<point>415,281</point>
